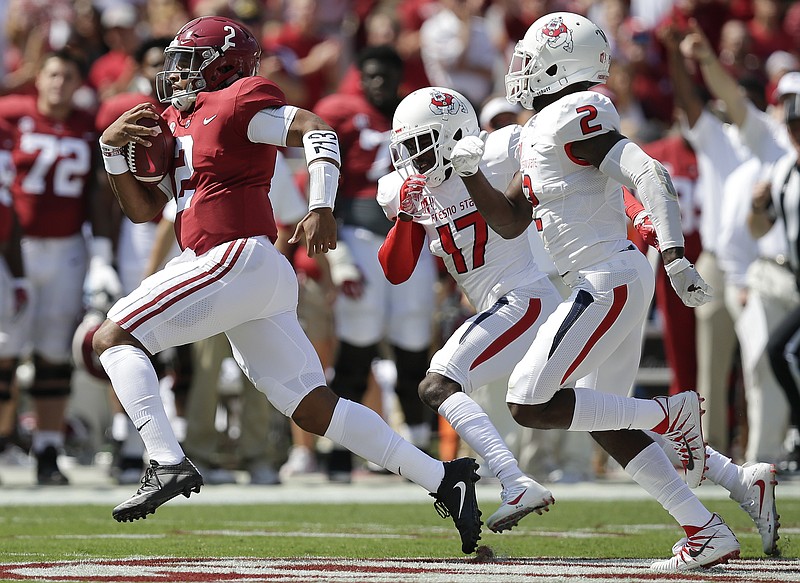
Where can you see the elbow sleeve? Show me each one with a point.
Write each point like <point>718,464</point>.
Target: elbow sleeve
<point>629,165</point>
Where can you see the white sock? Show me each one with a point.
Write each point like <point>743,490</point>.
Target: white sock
<point>597,411</point>
<point>666,445</point>
<point>721,470</point>
<point>653,471</point>
<point>366,434</point>
<point>136,385</point>
<point>42,439</point>
<point>473,425</point>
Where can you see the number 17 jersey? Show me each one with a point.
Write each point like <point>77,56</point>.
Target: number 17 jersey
<point>484,265</point>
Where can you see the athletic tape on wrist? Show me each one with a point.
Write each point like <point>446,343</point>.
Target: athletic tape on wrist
<point>323,180</point>
<point>115,165</point>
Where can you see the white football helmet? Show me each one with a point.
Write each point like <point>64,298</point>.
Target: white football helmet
<point>558,50</point>
<point>426,126</point>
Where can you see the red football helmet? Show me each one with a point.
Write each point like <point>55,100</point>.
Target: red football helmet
<point>211,52</point>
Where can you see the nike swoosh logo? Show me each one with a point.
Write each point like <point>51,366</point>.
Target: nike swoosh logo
<point>463,487</point>
<point>696,553</point>
<point>761,486</point>
<point>143,424</point>
<point>150,166</point>
<point>690,462</point>
<point>208,120</point>
<point>516,500</point>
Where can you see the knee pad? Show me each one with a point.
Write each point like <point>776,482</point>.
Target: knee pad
<point>352,368</point>
<point>411,369</point>
<point>51,380</point>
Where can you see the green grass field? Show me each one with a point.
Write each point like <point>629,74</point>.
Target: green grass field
<point>602,529</point>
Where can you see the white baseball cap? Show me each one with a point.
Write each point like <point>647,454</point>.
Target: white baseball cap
<point>494,107</point>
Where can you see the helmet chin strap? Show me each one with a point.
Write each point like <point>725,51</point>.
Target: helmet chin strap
<point>184,102</point>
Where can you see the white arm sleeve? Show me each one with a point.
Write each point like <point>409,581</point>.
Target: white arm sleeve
<point>271,125</point>
<point>628,164</point>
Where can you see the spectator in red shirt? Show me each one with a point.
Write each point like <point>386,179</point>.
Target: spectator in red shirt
<point>111,73</point>
<point>306,53</point>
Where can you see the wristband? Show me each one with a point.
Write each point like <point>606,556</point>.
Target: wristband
<point>111,151</point>
<point>677,265</point>
<point>319,144</point>
<point>323,180</point>
<point>115,165</point>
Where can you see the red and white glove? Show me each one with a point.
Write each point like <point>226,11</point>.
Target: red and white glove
<point>411,195</point>
<point>646,230</point>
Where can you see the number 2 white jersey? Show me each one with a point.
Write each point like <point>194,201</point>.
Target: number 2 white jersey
<point>578,209</point>
<point>484,265</point>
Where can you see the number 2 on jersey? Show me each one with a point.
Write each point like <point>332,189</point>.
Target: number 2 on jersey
<point>472,220</point>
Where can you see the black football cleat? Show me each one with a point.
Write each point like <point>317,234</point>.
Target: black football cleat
<point>159,485</point>
<point>456,497</point>
<point>47,472</point>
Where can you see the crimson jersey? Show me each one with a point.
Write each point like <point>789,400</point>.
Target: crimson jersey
<point>364,134</point>
<point>6,177</point>
<point>221,179</point>
<point>53,161</point>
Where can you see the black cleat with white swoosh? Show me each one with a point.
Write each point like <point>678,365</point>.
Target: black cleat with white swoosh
<point>159,485</point>
<point>456,497</point>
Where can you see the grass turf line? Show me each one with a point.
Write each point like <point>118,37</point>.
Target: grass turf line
<point>583,529</point>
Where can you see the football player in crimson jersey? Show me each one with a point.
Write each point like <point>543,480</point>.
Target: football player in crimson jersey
<point>369,309</point>
<point>53,154</point>
<point>230,278</point>
<point>583,361</point>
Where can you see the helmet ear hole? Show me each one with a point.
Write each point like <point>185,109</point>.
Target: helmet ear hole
<point>552,70</point>
<point>457,135</point>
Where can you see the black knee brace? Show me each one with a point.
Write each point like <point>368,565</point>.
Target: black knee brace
<point>51,380</point>
<point>411,369</point>
<point>352,368</point>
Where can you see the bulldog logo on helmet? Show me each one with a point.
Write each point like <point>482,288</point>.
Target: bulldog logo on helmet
<point>556,34</point>
<point>445,103</point>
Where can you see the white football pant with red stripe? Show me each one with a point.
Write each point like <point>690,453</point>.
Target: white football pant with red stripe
<point>595,332</point>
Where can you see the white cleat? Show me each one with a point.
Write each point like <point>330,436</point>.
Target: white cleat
<point>683,429</point>
<point>518,502</point>
<point>708,545</point>
<point>759,503</point>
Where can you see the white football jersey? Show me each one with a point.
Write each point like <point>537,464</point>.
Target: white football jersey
<point>578,209</point>
<point>484,265</point>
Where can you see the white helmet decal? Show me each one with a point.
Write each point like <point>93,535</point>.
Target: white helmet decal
<point>446,103</point>
<point>228,38</point>
<point>556,34</point>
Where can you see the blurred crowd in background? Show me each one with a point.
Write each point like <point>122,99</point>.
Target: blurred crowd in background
<point>310,49</point>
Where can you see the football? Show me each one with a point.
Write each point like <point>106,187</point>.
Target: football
<point>153,163</point>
